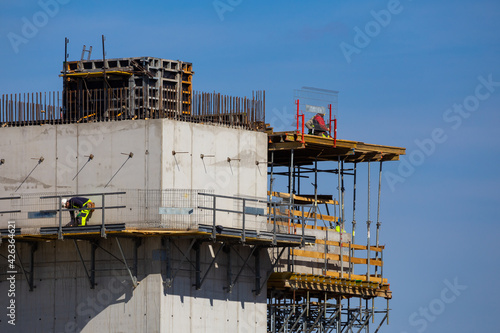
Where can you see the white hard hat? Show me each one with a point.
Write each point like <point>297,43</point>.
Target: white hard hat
<point>63,202</point>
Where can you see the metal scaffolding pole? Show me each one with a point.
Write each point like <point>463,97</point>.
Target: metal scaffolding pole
<point>341,222</point>
<point>342,192</point>
<point>353,211</point>
<point>339,321</point>
<point>378,212</point>
<point>368,222</point>
<point>315,192</point>
<point>290,208</point>
<point>271,179</point>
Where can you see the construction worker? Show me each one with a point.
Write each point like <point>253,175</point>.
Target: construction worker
<point>84,205</point>
<point>317,126</point>
<point>337,227</point>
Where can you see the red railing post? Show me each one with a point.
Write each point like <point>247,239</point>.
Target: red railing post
<point>297,102</point>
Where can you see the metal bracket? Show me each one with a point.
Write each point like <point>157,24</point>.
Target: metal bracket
<point>165,242</point>
<point>90,276</point>
<point>258,290</point>
<point>257,267</point>
<point>198,265</point>
<point>227,250</point>
<point>210,266</point>
<point>29,274</point>
<point>169,280</point>
<point>231,285</point>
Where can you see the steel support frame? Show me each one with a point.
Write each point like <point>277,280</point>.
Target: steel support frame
<point>245,263</point>
<point>29,275</point>
<point>308,316</point>
<point>199,282</point>
<point>95,245</point>
<point>271,270</point>
<point>171,275</point>
<point>91,275</point>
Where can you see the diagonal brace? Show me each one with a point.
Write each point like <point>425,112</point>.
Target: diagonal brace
<point>230,287</point>
<point>381,323</point>
<point>91,280</point>
<point>331,321</point>
<point>210,266</point>
<point>351,322</point>
<point>298,319</point>
<point>132,277</point>
<point>315,324</point>
<point>28,275</point>
<point>169,281</point>
<point>365,322</point>
<point>257,292</point>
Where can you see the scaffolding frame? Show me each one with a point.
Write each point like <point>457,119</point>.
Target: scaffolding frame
<point>315,303</point>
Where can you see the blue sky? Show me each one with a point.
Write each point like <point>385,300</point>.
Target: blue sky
<point>440,221</point>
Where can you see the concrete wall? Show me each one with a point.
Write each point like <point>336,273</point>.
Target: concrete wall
<point>153,167</point>
<point>62,300</point>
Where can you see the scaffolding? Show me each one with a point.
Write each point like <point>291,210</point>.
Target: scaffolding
<point>338,297</point>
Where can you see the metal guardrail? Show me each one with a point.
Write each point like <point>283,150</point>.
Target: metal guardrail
<point>10,211</point>
<point>103,208</point>
<point>272,207</point>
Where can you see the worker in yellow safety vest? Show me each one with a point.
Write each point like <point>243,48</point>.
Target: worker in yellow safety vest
<point>84,214</point>
<point>337,227</point>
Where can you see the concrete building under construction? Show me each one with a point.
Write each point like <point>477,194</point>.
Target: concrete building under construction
<point>191,232</point>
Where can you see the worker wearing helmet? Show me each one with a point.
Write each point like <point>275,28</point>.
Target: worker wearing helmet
<point>83,214</point>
